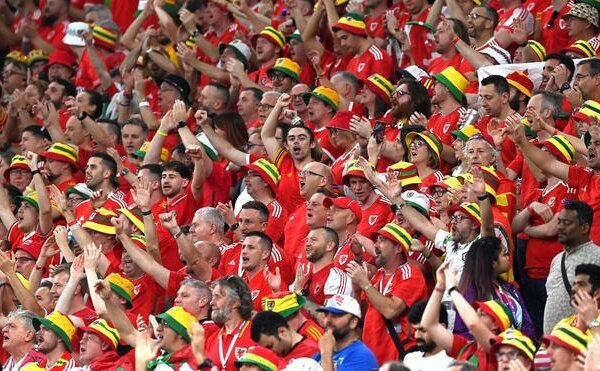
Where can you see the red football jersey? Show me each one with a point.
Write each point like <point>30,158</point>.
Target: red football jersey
<point>224,349</point>
<point>373,60</point>
<point>375,217</point>
<point>443,126</point>
<point>289,185</point>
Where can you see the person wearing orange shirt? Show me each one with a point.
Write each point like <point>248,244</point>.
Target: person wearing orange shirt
<point>367,58</point>
<point>394,288</point>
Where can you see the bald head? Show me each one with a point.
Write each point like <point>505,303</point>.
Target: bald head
<point>210,252</point>
<point>313,176</point>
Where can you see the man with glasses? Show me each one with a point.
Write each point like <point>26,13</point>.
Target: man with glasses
<point>298,103</point>
<point>284,74</point>
<point>14,76</point>
<point>587,80</point>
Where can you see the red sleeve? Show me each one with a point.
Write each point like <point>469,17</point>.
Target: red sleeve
<point>410,289</point>
<point>578,176</point>
<point>516,165</point>
<point>175,279</point>
<point>15,235</point>
<point>458,342</point>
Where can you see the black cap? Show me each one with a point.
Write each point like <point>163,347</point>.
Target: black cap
<point>181,85</point>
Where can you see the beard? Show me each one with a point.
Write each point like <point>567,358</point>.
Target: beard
<point>341,333</point>
<point>515,103</point>
<point>221,316</point>
<point>315,256</point>
<point>49,20</point>
<point>426,347</point>
<point>380,260</point>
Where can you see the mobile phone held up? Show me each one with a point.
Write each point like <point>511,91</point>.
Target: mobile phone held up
<point>378,131</point>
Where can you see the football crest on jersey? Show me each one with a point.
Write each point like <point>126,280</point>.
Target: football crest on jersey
<point>373,219</point>
<point>343,259</point>
<point>551,201</point>
<point>239,352</point>
<point>373,26</point>
<point>361,67</point>
<point>317,289</point>
<point>446,128</point>
<point>255,294</point>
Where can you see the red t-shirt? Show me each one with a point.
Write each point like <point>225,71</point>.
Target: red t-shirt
<point>421,39</point>
<point>587,185</point>
<point>295,232</point>
<point>373,60</point>
<point>307,347</point>
<point>465,350</point>
<point>231,262</point>
<point>509,150</point>
<point>322,136</point>
<point>435,177</point>
<point>148,297</point>
<point>375,216</point>
<point>216,186</point>
<point>443,126</point>
<point>439,64</point>
<point>406,283</point>
<point>554,36</point>
<point>259,288</point>
<point>260,76</point>
<point>289,185</point>
<point>528,181</point>
<point>224,349</point>
<point>277,217</point>
<point>326,282</point>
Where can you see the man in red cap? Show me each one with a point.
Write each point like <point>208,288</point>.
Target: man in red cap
<point>344,216</point>
<point>99,348</point>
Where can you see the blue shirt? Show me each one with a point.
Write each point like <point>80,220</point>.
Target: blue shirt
<point>354,357</point>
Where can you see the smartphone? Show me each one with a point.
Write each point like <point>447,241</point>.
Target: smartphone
<point>378,131</point>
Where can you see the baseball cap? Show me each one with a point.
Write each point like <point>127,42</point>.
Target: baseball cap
<point>341,304</point>
<point>345,203</point>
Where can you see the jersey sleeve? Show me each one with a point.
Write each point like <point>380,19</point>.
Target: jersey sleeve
<point>578,176</point>
<point>337,282</point>
<point>440,238</point>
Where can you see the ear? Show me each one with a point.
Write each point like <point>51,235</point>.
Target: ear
<point>185,183</point>
<point>29,336</point>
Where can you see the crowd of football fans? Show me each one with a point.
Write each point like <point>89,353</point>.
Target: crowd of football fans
<point>300,185</point>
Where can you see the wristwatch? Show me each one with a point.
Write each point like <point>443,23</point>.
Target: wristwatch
<point>565,86</point>
<point>234,226</point>
<point>181,124</point>
<point>593,323</point>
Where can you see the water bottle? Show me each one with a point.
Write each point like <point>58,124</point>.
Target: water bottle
<point>470,118</point>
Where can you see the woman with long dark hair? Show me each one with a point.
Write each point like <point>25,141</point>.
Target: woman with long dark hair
<point>481,280</point>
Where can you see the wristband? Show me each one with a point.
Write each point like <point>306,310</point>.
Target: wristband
<point>161,133</point>
<point>452,289</point>
<point>482,198</point>
<point>144,104</point>
<point>36,171</point>
<point>181,124</point>
<point>82,116</point>
<point>178,234</point>
<point>439,289</point>
<point>147,213</point>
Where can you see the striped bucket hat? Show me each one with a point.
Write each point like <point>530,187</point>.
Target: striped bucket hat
<point>287,67</point>
<point>37,55</point>
<point>432,141</point>
<point>99,221</point>
<point>62,152</point>
<point>491,179</point>
<point>354,169</point>
<point>503,317</point>
<point>561,148</point>
<point>179,320</point>
<point>470,209</point>
<point>272,35</point>
<point>465,132</point>
<point>395,233</point>
<point>581,47</point>
<point>60,324</point>
<point>139,240</point>
<point>538,49</point>
<point>104,37</point>
<point>517,340</point>
<point>406,172</point>
<point>520,81</point>
<point>588,109</point>
<point>31,198</point>
<point>106,332</point>
<point>267,171</point>
<point>569,337</point>
<point>448,183</point>
<point>285,303</point>
<point>353,23</point>
<point>122,286</point>
<point>324,94</point>
<point>17,162</point>
<point>265,359</point>
<point>381,86</point>
<point>134,214</point>
<point>455,81</point>
<point>17,56</point>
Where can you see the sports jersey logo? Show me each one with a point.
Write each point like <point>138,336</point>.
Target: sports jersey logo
<point>562,24</point>
<point>239,352</point>
<point>231,262</point>
<point>270,304</point>
<point>551,201</point>
<point>343,259</point>
<point>373,219</point>
<point>361,67</point>
<point>263,81</point>
<point>446,128</point>
<point>254,294</point>
<point>373,26</point>
<point>136,289</point>
<point>317,289</point>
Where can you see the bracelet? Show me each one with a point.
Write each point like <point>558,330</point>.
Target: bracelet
<point>438,289</point>
<point>555,132</point>
<point>161,133</point>
<point>178,234</point>
<point>144,103</point>
<point>367,287</point>
<point>452,289</point>
<point>482,198</point>
<point>36,171</point>
<point>147,213</point>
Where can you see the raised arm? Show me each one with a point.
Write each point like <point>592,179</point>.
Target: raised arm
<point>223,147</point>
<point>129,37</point>
<point>197,186</point>
<point>45,209</point>
<point>24,296</point>
<point>141,196</point>
<point>431,316</point>
<point>268,130</point>
<point>485,206</point>
<point>92,254</point>
<point>6,215</point>
<point>309,35</point>
<point>63,304</point>
<point>115,313</point>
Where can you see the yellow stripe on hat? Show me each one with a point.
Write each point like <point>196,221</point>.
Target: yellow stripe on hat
<point>264,363</point>
<point>571,336</point>
<point>64,150</point>
<point>538,49</point>
<point>328,95</point>
<point>563,146</point>
<point>473,210</point>
<point>18,159</point>
<point>455,81</point>
<point>501,312</point>
<point>517,339</point>
<point>270,169</point>
<point>274,34</point>
<point>382,83</point>
<point>110,333</point>
<point>584,47</point>
<point>399,233</point>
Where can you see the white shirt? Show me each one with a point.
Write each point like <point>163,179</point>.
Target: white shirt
<point>416,361</point>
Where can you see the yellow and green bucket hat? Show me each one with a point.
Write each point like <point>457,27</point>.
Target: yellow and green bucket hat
<point>286,66</point>
<point>395,233</point>
<point>122,286</point>
<point>267,171</point>
<point>561,148</point>
<point>60,324</point>
<point>569,337</point>
<point>455,81</point>
<point>179,320</point>
<point>324,94</point>
<point>352,23</point>
<point>285,303</point>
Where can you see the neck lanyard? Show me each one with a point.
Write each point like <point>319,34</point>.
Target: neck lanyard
<point>222,358</point>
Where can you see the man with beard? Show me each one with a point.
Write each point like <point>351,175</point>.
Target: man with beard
<point>520,91</point>
<point>289,159</point>
<point>55,334</point>
<point>214,98</point>
<point>231,307</point>
<point>444,38</point>
<point>284,75</point>
<point>394,288</point>
<point>48,35</point>
<point>341,348</point>
<point>61,163</point>
<point>320,279</point>
<point>429,355</point>
<point>270,330</point>
<point>248,105</point>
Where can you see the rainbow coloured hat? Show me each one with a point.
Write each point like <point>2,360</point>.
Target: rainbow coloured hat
<point>569,337</point>
<point>141,153</point>
<point>581,47</point>
<point>455,81</point>
<point>271,34</point>
<point>134,214</point>
<point>60,324</point>
<point>324,94</point>
<point>104,37</point>
<point>17,162</point>
<point>106,332</point>
<point>517,340</point>
<point>122,286</point>
<point>470,209</point>
<point>267,171</point>
<point>395,233</point>
<point>381,86</point>
<point>538,49</point>
<point>16,56</point>
<point>37,55</point>
<point>353,23</point>
<point>354,169</point>
<point>61,152</point>
<point>99,221</point>
<point>287,67</point>
<point>406,172</point>
<point>501,314</point>
<point>561,148</point>
<point>263,358</point>
<point>491,180</point>
<point>589,108</point>
<point>31,198</point>
<point>448,183</point>
<point>520,81</point>
<point>179,320</point>
<point>285,303</point>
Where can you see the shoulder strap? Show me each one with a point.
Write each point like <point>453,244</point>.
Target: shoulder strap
<point>563,271</point>
<point>395,338</point>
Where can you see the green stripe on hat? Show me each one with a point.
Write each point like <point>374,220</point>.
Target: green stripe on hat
<point>421,24</point>
<point>585,46</point>
<point>455,81</point>
<point>270,169</point>
<point>274,34</point>
<point>538,49</point>
<point>503,314</point>
<point>263,363</point>
<point>401,235</point>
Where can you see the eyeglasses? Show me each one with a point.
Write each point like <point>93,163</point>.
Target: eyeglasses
<point>399,93</point>
<point>20,172</point>
<point>250,145</point>
<point>474,16</point>
<point>305,173</point>
<point>580,76</point>
<point>458,218</point>
<point>264,106</point>
<point>417,143</point>
<point>276,75</point>
<point>513,354</point>
<point>439,192</point>
<point>24,259</point>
